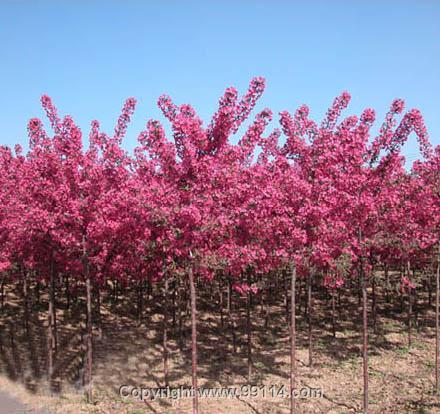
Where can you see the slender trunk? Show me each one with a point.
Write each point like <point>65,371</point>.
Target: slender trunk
<point>249,336</point>
<point>365,339</point>
<point>220,291</point>
<point>409,308</point>
<point>193,340</point>
<point>89,339</point>
<point>415,304</point>
<point>165,332</point>
<point>98,311</point>
<point>88,379</point>
<point>26,300</point>
<point>174,288</point>
<point>50,330</point>
<point>286,297</point>
<point>373,303</point>
<point>401,294</point>
<point>333,313</point>
<point>67,290</point>
<point>430,289</point>
<point>115,292</point>
<point>140,301</point>
<point>181,304</point>
<point>409,317</point>
<point>37,293</point>
<point>387,283</point>
<point>3,292</point>
<point>437,325</point>
<point>231,319</point>
<point>292,341</point>
<point>309,316</point>
<point>267,303</point>
<point>54,313</point>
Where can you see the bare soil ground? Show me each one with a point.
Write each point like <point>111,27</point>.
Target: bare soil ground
<point>129,353</point>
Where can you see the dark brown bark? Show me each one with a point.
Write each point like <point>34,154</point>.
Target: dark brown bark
<point>387,283</point>
<point>140,307</point>
<point>193,340</point>
<point>430,289</point>
<point>267,303</point>
<point>286,297</point>
<point>416,308</point>
<point>173,308</point>
<point>365,338</point>
<point>309,317</point>
<point>67,291</point>
<point>249,336</point>
<point>165,331</point>
<point>373,303</point>
<point>115,292</point>
<point>292,341</point>
<point>333,313</point>
<point>37,290</point>
<point>220,291</point>
<point>89,391</point>
<point>51,322</point>
<point>231,319</point>
<point>26,300</point>
<point>98,311</point>
<point>3,292</point>
<point>181,305</point>
<point>89,331</point>
<point>409,308</point>
<point>437,324</point>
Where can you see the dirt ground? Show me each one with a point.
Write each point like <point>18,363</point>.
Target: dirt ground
<point>130,353</point>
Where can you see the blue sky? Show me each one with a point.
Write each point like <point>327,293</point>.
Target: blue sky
<point>90,56</point>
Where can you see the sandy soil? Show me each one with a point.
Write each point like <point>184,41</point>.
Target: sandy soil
<point>129,353</point>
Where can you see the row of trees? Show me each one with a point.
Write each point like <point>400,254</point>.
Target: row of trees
<point>308,199</point>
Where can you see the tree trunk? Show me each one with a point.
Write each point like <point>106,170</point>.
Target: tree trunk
<point>193,340</point>
<point>88,379</point>
<point>267,303</point>
<point>437,324</point>
<point>286,297</point>
<point>181,305</point>
<point>231,319</point>
<point>115,292</point>
<point>373,303</point>
<point>220,291</point>
<point>430,288</point>
<point>387,283</point>
<point>3,292</point>
<point>333,313</point>
<point>165,332</point>
<point>89,340</point>
<point>51,322</point>
<point>174,289</point>
<point>310,316</point>
<point>26,300</point>
<point>98,311</point>
<point>365,338</point>
<point>292,341</point>
<point>140,301</point>
<point>249,337</point>
<point>409,308</point>
<point>67,290</point>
